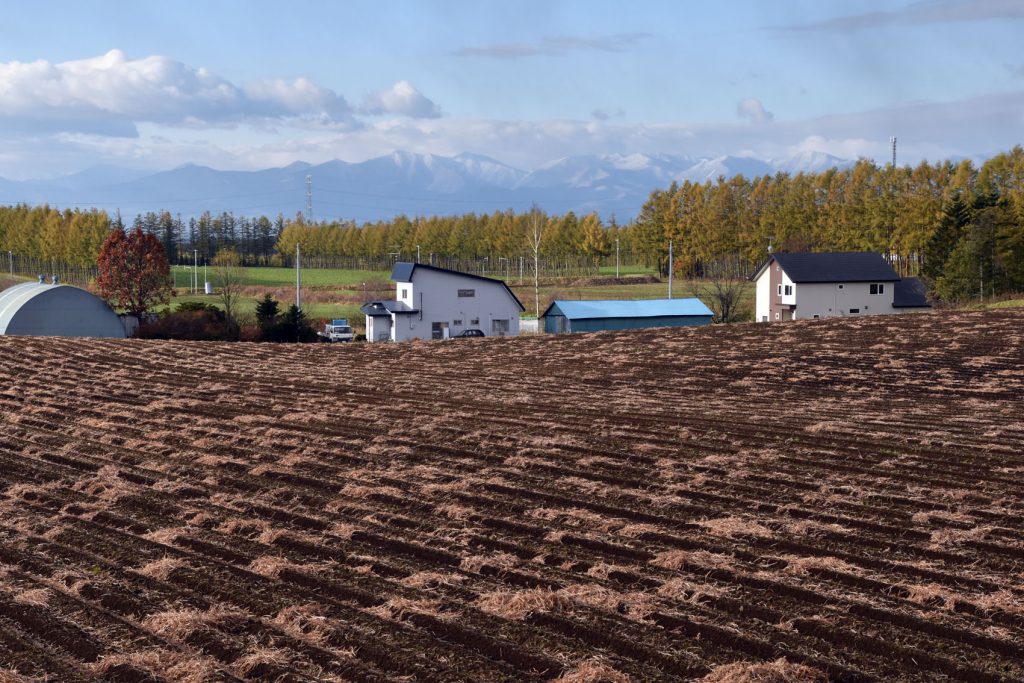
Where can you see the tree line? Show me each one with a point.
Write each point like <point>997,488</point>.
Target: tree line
<point>959,226</point>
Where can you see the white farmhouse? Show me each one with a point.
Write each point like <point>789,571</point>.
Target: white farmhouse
<point>825,285</point>
<point>436,303</point>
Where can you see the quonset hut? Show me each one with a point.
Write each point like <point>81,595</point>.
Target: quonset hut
<point>55,310</point>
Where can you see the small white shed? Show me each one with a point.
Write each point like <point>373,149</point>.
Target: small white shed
<point>55,310</point>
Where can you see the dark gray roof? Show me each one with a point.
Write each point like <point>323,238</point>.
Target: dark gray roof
<point>387,308</point>
<point>403,273</point>
<point>848,266</point>
<point>910,293</point>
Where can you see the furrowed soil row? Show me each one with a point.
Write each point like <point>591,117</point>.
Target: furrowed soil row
<point>637,497</point>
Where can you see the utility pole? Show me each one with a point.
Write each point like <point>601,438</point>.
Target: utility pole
<point>417,253</point>
<point>10,258</point>
<point>195,270</point>
<point>309,198</point>
<point>892,141</point>
<point>298,276</point>
<point>670,264</point>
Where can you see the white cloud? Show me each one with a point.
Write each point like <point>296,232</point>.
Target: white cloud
<point>750,108</point>
<point>111,93</point>
<point>401,99</point>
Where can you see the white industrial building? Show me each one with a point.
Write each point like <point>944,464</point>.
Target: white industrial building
<point>437,303</point>
<point>56,310</point>
<point>825,285</point>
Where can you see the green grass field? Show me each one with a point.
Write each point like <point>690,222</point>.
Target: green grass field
<point>285,277</point>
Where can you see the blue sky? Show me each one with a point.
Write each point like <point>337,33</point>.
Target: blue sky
<point>257,84</point>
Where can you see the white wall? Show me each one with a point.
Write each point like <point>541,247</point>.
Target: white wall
<point>436,296</point>
<point>377,327</point>
<point>762,307</point>
<point>829,300</point>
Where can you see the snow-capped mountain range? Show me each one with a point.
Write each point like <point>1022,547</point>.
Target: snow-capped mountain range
<point>400,183</point>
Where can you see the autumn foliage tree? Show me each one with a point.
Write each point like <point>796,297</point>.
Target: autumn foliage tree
<point>133,271</point>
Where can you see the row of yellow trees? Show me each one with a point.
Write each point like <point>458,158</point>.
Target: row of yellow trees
<point>73,237</point>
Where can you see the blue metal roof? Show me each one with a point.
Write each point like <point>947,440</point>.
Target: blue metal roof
<point>637,308</point>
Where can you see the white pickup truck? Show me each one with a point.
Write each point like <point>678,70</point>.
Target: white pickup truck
<point>338,331</point>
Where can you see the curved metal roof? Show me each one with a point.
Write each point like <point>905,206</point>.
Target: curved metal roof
<point>38,309</point>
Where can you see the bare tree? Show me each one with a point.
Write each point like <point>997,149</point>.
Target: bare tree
<point>536,220</point>
<point>727,298</point>
<point>228,275</point>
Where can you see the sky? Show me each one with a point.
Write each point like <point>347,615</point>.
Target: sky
<point>252,84</point>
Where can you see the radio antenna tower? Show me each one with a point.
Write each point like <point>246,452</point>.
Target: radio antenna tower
<point>309,198</point>
<point>893,141</point>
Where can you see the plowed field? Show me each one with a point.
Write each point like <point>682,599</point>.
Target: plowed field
<point>847,495</point>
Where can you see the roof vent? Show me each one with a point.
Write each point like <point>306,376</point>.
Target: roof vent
<point>56,279</point>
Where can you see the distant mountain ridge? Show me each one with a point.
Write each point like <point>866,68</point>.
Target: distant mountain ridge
<point>401,183</point>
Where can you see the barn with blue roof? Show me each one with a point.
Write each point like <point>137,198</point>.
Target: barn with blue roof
<point>593,316</point>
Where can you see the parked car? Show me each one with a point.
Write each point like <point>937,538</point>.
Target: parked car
<point>470,333</point>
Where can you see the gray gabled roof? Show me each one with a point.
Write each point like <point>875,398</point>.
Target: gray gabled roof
<point>845,266</point>
<point>910,292</point>
<point>402,272</point>
<point>387,308</point>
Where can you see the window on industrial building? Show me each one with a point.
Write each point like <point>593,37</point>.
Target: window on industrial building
<point>816,316</point>
<point>499,326</point>
<point>854,310</point>
<point>457,323</point>
<point>877,289</point>
<point>474,321</point>
<point>467,292</point>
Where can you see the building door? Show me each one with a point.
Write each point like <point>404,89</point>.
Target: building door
<point>439,330</point>
<point>499,327</point>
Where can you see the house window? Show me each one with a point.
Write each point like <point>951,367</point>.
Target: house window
<point>780,290</point>
<point>789,290</point>
<point>877,289</point>
<point>457,323</point>
<point>474,321</point>
<point>405,293</point>
<point>467,292</point>
<point>854,310</point>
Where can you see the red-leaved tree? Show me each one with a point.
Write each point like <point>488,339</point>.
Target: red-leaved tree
<point>133,271</point>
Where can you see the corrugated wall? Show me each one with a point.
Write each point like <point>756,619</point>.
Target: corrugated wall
<point>599,324</point>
